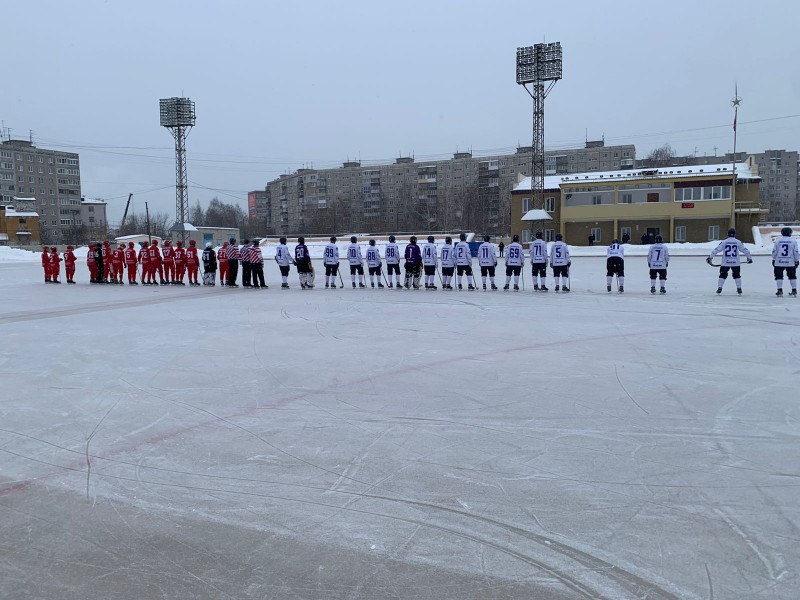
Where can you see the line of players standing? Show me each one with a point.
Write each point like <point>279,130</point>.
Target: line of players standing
<point>168,265</point>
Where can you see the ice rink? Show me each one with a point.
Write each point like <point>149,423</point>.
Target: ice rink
<point>162,442</point>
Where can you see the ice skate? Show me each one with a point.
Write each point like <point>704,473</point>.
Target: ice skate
<point>779,293</point>
<point>565,289</point>
<point>558,288</point>
<point>544,288</point>
<point>494,287</point>
<point>608,288</point>
<point>739,291</point>
<point>792,293</point>
<point>535,287</point>
<point>516,287</point>
<point>621,289</point>
<point>653,289</point>
<point>380,285</point>
<point>719,290</point>
<point>663,290</point>
<point>505,287</point>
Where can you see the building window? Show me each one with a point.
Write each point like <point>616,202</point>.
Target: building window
<point>91,219</point>
<point>550,204</point>
<point>597,200</point>
<point>91,209</point>
<point>549,235</point>
<point>713,233</point>
<point>526,236</point>
<point>625,234</point>
<point>596,233</point>
<point>526,205</point>
<point>627,198</point>
<point>680,233</point>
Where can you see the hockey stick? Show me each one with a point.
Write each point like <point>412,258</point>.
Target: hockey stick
<point>711,264</point>
<point>341,279</point>
<point>384,278</point>
<point>441,283</point>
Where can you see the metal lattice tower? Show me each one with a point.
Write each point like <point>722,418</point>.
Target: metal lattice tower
<point>177,115</point>
<point>536,65</point>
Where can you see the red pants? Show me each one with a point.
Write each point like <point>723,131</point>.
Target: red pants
<point>180,268</point>
<point>192,273</point>
<point>47,270</point>
<point>145,271</point>
<point>116,271</point>
<point>224,271</point>
<point>70,272</point>
<point>55,271</point>
<point>169,270</point>
<point>92,270</point>
<point>131,272</point>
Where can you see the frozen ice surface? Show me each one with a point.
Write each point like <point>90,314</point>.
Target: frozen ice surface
<point>214,443</point>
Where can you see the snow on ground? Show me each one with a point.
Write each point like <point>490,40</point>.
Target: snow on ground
<point>214,443</point>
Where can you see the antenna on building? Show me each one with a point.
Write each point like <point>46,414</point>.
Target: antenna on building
<point>30,136</point>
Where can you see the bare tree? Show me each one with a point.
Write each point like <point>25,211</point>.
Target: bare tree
<point>660,157</point>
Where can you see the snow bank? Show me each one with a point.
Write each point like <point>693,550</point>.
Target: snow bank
<point>8,254</point>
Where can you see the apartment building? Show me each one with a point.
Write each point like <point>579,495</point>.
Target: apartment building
<point>51,177</point>
<point>463,192</point>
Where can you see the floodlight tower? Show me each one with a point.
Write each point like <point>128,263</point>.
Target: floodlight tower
<point>540,66</point>
<point>177,115</point>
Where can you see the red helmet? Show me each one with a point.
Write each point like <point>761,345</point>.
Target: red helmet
<point>224,244</point>
<point>105,242</point>
<point>154,242</point>
<point>180,244</point>
<point>130,244</point>
<point>167,243</point>
<point>53,249</point>
<point>69,247</point>
<point>192,242</point>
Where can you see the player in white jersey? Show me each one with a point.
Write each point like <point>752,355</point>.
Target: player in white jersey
<point>464,262</point>
<point>487,259</point>
<point>615,265</point>
<point>515,260</point>
<point>392,253</point>
<point>374,264</point>
<point>731,249</point>
<point>448,260</point>
<point>331,262</point>
<point>785,257</point>
<point>539,263</point>
<point>658,261</point>
<point>560,261</point>
<point>429,262</point>
<point>356,262</point>
<point>284,258</point>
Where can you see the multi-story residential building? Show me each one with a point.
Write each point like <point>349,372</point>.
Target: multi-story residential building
<point>51,177</point>
<point>690,203</point>
<point>464,192</point>
<point>93,218</point>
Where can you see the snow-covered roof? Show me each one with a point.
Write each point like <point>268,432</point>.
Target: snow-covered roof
<point>537,214</point>
<point>183,227</point>
<point>10,212</point>
<point>553,182</point>
<point>92,201</point>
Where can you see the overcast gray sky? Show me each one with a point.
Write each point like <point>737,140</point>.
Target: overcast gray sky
<point>283,85</point>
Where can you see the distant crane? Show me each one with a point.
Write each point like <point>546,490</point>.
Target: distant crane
<point>125,214</point>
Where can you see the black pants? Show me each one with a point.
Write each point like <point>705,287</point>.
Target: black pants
<point>392,268</point>
<point>513,270</point>
<point>791,273</point>
<point>662,274</point>
<point>100,272</point>
<point>615,265</point>
<point>539,268</point>
<point>247,269</point>
<point>736,271</point>
<point>487,270</point>
<point>331,270</point>
<point>233,271</point>
<point>257,272</point>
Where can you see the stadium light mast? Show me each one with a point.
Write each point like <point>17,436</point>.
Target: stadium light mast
<point>177,115</point>
<point>538,65</point>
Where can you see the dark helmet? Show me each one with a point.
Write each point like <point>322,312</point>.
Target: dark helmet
<point>515,238</point>
<point>255,244</point>
<point>486,238</point>
<point>448,240</point>
<point>353,239</point>
<point>282,240</point>
<point>232,240</point>
<point>786,231</point>
<point>301,240</point>
<point>391,238</point>
<point>538,235</point>
<point>559,237</point>
<point>372,242</point>
<point>98,245</point>
<point>463,237</point>
<point>333,239</point>
<point>430,239</point>
<point>413,239</point>
<point>615,241</point>
<point>659,239</point>
<point>731,232</point>
<point>245,242</point>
